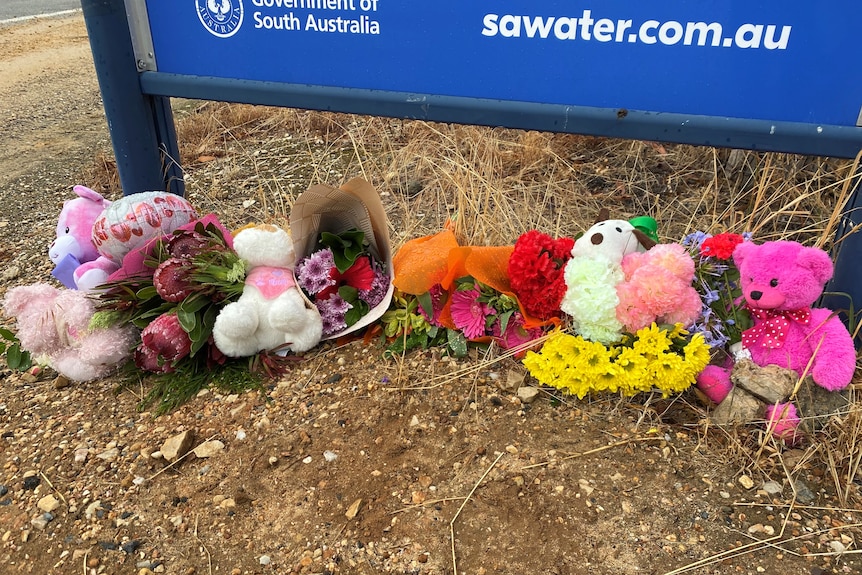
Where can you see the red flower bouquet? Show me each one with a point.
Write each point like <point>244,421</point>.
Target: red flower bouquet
<point>536,272</point>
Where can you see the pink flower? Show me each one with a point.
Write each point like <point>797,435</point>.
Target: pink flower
<point>469,314</point>
<point>784,420</point>
<point>436,292</point>
<point>163,343</point>
<point>516,334</point>
<point>172,279</point>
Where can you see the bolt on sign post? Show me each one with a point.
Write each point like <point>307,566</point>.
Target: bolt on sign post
<point>774,75</point>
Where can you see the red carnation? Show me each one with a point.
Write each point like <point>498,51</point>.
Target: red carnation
<point>536,272</point>
<point>720,246</point>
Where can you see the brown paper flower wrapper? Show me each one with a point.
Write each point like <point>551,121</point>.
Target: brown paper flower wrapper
<point>354,205</point>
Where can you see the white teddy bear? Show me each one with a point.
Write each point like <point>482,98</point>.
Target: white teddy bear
<point>272,311</point>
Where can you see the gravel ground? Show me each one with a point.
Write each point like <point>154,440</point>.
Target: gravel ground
<point>355,464</point>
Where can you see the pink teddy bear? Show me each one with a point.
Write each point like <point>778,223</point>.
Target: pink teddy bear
<point>54,324</point>
<point>73,246</point>
<point>780,281</point>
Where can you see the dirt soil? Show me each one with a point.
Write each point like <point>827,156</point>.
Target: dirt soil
<point>354,463</point>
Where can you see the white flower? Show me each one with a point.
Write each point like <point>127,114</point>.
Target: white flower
<point>591,297</point>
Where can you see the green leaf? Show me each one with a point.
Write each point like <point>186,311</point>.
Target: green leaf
<point>193,303</point>
<point>145,293</point>
<point>504,320</point>
<point>457,342</point>
<point>346,247</point>
<point>188,320</point>
<point>7,334</point>
<point>352,316</point>
<point>18,359</point>
<point>426,303</point>
<point>349,294</point>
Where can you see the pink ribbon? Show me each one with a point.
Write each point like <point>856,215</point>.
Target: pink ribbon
<point>772,328</point>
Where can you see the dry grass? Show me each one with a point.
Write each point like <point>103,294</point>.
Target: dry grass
<point>250,163</point>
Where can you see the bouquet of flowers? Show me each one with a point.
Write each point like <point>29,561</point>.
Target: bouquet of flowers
<point>470,311</point>
<point>666,358</point>
<point>343,280</point>
<point>172,289</point>
<point>344,263</point>
<point>451,294</point>
<point>723,316</point>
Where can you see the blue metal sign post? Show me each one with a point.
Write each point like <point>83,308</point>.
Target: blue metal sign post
<point>141,125</point>
<point>774,75</point>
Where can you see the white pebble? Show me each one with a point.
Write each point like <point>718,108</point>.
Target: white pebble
<point>265,560</point>
<point>307,459</point>
<point>330,456</point>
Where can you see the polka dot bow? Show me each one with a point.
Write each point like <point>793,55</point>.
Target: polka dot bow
<point>773,326</point>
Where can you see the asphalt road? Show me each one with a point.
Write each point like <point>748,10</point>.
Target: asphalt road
<point>10,9</point>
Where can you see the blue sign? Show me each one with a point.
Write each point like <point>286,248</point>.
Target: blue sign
<point>774,60</point>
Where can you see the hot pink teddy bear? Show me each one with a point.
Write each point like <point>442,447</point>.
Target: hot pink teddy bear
<point>780,281</point>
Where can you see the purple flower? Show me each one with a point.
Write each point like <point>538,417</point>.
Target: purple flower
<point>332,312</point>
<point>375,294</point>
<point>314,272</point>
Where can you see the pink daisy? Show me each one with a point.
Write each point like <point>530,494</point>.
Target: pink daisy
<point>469,314</point>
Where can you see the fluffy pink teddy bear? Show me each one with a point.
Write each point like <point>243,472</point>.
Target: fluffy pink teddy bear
<point>73,247</point>
<point>657,288</point>
<point>55,324</point>
<point>780,281</point>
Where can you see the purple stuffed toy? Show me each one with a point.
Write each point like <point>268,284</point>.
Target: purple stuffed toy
<point>74,245</point>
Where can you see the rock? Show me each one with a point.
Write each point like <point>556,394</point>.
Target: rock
<point>772,487</point>
<point>48,503</point>
<point>109,454</point>
<point>10,273</point>
<point>746,481</point>
<point>527,393</point>
<point>816,405</point>
<point>92,509</point>
<point>42,521</point>
<point>770,384</point>
<point>61,381</point>
<point>178,445</point>
<point>209,448</point>
<point>265,560</point>
<point>803,493</point>
<point>353,510</point>
<point>738,407</point>
<point>512,381</point>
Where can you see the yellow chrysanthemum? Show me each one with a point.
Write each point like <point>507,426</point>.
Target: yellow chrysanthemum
<point>670,373</point>
<point>651,341</point>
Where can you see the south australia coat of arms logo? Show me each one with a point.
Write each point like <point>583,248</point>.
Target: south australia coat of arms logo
<point>221,17</point>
